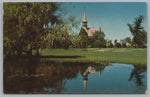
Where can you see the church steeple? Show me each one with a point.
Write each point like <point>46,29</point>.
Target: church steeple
<point>84,18</point>
<point>84,22</point>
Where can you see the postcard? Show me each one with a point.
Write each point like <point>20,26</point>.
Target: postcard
<point>75,47</point>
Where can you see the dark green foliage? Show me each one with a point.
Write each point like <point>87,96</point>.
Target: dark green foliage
<point>109,44</point>
<point>126,40</point>
<point>61,35</point>
<point>117,44</point>
<point>91,41</point>
<point>29,26</point>
<point>24,25</point>
<point>98,39</point>
<point>138,32</point>
<point>83,39</point>
<point>62,41</point>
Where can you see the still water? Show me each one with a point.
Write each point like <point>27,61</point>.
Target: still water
<point>41,77</point>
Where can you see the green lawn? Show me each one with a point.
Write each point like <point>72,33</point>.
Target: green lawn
<point>121,55</point>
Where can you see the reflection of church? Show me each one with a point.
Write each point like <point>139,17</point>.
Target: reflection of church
<point>89,70</point>
<point>90,31</point>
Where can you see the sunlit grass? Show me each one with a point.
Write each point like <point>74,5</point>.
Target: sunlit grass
<point>121,55</point>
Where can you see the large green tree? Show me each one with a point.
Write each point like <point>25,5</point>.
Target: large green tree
<point>98,39</point>
<point>138,32</point>
<point>64,33</point>
<point>83,40</point>
<point>29,26</point>
<point>24,25</point>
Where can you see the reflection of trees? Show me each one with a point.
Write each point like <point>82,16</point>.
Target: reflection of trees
<point>55,75</point>
<point>136,73</point>
<point>58,89</point>
<point>32,75</point>
<point>17,73</point>
<point>100,68</point>
<point>61,86</point>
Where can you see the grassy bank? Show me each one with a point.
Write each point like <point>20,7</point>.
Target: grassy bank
<point>120,55</point>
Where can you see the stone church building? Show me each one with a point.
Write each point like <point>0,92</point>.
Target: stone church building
<point>90,31</point>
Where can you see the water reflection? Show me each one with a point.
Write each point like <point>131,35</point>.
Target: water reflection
<point>90,69</point>
<point>32,75</point>
<point>137,75</point>
<point>58,89</point>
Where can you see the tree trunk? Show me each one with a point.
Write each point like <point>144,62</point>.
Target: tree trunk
<point>30,51</point>
<point>37,52</point>
<point>19,52</point>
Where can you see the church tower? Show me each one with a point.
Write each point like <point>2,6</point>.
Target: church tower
<point>84,22</point>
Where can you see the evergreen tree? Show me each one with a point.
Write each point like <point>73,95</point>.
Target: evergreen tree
<point>138,32</point>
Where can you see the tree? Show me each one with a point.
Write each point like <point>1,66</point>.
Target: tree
<point>24,25</point>
<point>115,41</point>
<point>75,40</point>
<point>83,36</point>
<point>117,44</point>
<point>109,44</point>
<point>91,41</point>
<point>65,34</point>
<point>126,41</point>
<point>98,39</point>
<point>138,32</point>
<point>35,25</point>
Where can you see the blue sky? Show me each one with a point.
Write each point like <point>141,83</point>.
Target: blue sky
<point>112,17</point>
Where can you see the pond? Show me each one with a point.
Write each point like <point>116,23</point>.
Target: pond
<point>35,76</point>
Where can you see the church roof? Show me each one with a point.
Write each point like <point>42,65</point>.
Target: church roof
<point>90,31</point>
<point>85,29</point>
